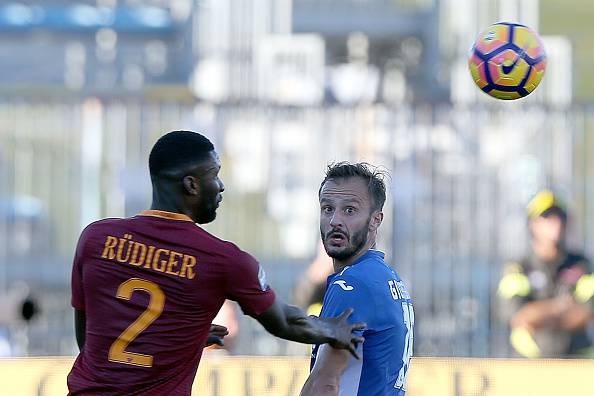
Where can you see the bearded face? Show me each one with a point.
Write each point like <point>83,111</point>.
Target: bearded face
<point>345,215</point>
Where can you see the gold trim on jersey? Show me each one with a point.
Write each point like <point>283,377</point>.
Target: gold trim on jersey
<point>166,215</point>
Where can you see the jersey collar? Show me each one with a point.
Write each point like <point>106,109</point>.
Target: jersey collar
<point>375,253</point>
<point>166,215</point>
<point>371,253</point>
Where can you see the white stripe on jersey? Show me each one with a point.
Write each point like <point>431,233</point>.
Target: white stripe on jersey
<point>344,269</point>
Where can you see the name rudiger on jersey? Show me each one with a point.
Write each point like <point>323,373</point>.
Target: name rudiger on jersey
<point>125,250</point>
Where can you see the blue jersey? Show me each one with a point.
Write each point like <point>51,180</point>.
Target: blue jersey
<point>379,298</point>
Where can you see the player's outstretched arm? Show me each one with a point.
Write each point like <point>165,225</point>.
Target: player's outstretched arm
<point>324,379</point>
<point>291,323</point>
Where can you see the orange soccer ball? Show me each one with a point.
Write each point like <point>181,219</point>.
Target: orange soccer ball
<point>507,61</point>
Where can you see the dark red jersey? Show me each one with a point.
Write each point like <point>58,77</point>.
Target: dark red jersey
<point>150,286</point>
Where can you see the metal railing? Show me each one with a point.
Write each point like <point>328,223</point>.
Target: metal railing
<point>454,215</point>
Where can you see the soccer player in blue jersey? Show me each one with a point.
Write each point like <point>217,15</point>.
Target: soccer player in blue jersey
<point>351,200</point>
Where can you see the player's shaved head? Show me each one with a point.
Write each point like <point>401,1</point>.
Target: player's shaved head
<point>184,169</point>
<point>178,150</point>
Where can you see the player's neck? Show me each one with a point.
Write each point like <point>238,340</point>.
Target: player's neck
<point>340,264</point>
<point>168,204</point>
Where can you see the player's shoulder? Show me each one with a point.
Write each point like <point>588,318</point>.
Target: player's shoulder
<point>225,251</point>
<point>514,281</point>
<point>371,267</point>
<point>195,236</point>
<point>577,258</point>
<point>94,232</point>
<point>362,277</point>
<point>198,238</point>
<point>574,267</point>
<point>515,266</point>
<point>222,245</point>
<point>108,221</point>
<point>100,225</point>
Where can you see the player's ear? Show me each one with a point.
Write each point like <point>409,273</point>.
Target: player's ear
<point>376,220</point>
<point>190,184</point>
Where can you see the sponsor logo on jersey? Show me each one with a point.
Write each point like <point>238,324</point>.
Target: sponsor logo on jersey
<point>343,285</point>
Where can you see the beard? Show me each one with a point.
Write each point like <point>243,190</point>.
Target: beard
<point>207,213</point>
<point>207,216</point>
<point>354,246</point>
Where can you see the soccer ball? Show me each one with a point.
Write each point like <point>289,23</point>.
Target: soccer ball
<point>507,61</point>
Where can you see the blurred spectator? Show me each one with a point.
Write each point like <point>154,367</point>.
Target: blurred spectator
<point>310,289</point>
<point>544,296</point>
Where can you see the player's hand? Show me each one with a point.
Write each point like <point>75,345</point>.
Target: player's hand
<point>216,335</point>
<point>341,332</point>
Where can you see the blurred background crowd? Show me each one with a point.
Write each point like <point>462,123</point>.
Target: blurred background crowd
<point>284,87</point>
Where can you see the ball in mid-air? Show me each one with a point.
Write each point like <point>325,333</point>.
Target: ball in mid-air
<point>507,61</point>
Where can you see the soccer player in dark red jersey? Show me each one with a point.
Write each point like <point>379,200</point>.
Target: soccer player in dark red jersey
<point>145,289</point>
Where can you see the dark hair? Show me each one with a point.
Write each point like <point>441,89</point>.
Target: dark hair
<point>178,149</point>
<point>371,174</point>
<point>555,211</point>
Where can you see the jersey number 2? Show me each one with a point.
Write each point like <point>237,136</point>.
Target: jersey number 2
<point>117,351</point>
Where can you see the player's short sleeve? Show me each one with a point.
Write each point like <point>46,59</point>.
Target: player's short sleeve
<point>246,284</point>
<point>514,290</point>
<point>347,291</point>
<point>77,285</point>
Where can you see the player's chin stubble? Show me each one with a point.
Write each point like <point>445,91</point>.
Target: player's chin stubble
<point>355,245</point>
<point>210,216</point>
<point>207,216</point>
